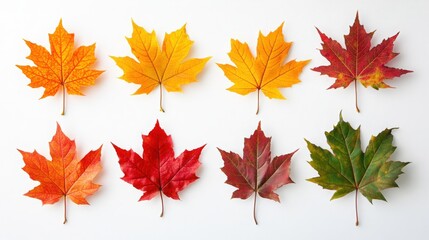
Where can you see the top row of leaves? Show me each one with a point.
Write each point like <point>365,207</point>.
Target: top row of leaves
<point>68,69</point>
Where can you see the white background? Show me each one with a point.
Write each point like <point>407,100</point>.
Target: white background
<point>206,113</point>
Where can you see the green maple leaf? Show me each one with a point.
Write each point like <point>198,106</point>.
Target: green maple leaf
<point>350,169</point>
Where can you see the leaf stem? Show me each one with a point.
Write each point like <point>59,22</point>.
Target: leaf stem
<point>356,208</point>
<point>254,209</point>
<point>65,209</point>
<point>160,99</point>
<point>162,204</point>
<point>64,100</point>
<point>257,105</point>
<point>356,97</point>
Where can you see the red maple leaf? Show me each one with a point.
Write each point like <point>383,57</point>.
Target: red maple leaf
<point>358,61</point>
<point>256,172</point>
<point>158,172</point>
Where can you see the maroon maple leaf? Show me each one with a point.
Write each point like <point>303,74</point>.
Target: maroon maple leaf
<point>358,61</point>
<point>256,172</point>
<point>158,172</point>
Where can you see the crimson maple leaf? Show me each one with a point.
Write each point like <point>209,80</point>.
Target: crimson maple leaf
<point>256,172</point>
<point>158,171</point>
<point>358,61</point>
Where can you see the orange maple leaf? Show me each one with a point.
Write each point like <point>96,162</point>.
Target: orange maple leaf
<point>63,67</point>
<point>64,176</point>
<point>267,72</point>
<point>160,67</point>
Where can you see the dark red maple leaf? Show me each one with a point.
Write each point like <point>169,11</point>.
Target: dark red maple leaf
<point>256,172</point>
<point>158,172</point>
<point>358,61</point>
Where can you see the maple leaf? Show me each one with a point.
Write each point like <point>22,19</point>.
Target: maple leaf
<point>160,67</point>
<point>267,72</point>
<point>349,169</point>
<point>358,61</point>
<point>256,172</point>
<point>158,171</point>
<point>64,176</point>
<point>63,67</point>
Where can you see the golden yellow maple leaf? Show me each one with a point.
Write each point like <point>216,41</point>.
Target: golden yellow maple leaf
<point>160,66</point>
<point>63,67</point>
<point>266,72</point>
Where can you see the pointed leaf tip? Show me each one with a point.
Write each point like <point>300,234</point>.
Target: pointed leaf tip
<point>157,126</point>
<point>357,17</point>
<point>115,147</point>
<point>58,129</point>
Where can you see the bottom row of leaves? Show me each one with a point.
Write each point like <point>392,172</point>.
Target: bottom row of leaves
<point>346,169</point>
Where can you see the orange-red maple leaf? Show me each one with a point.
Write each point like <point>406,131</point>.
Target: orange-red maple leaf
<point>358,61</point>
<point>160,66</point>
<point>158,172</point>
<point>64,176</point>
<point>63,67</point>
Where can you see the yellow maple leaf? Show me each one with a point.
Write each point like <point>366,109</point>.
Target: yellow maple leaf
<point>266,72</point>
<point>160,66</point>
<point>63,67</point>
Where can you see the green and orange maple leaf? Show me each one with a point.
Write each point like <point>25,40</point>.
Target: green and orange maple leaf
<point>64,176</point>
<point>63,67</point>
<point>267,72</point>
<point>347,168</point>
<point>160,67</point>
